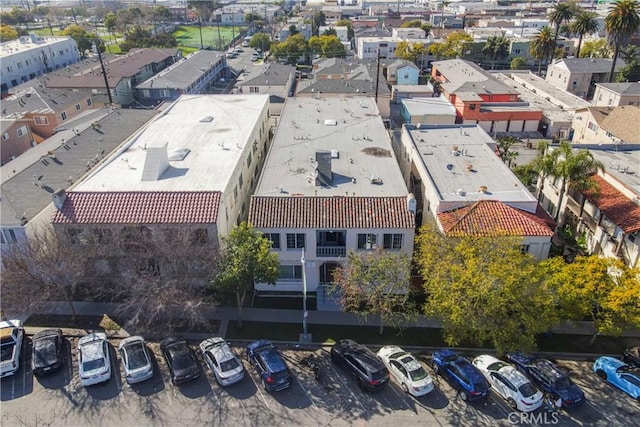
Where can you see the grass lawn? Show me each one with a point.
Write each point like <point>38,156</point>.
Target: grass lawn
<point>46,32</point>
<point>189,36</point>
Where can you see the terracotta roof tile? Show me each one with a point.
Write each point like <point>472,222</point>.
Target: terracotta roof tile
<point>189,207</point>
<point>615,205</point>
<point>490,217</point>
<point>330,212</point>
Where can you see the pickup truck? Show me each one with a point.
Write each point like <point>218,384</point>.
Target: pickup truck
<point>11,336</point>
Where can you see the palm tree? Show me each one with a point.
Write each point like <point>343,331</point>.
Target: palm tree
<point>542,46</point>
<point>496,47</point>
<point>584,23</point>
<point>622,21</point>
<point>573,168</point>
<point>562,12</point>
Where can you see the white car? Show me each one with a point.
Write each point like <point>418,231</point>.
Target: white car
<point>509,383</point>
<point>94,362</point>
<point>226,366</point>
<point>135,359</point>
<point>407,371</point>
<point>11,337</point>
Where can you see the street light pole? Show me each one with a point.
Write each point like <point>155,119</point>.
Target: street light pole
<point>304,337</point>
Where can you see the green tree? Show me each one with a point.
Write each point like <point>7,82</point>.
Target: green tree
<point>573,167</point>
<point>260,41</point>
<point>376,284</point>
<point>454,45</point>
<point>410,51</point>
<point>417,24</point>
<point>7,33</point>
<point>327,46</point>
<point>346,23</point>
<point>294,48</point>
<point>631,71</point>
<point>496,48</point>
<point>584,23</point>
<point>542,46</point>
<point>246,258</point>
<point>110,24</point>
<point>483,289</point>
<point>518,63</point>
<point>561,13</point>
<point>526,174</point>
<point>319,20</point>
<point>330,32</point>
<point>622,22</point>
<point>83,38</point>
<point>596,49</point>
<point>601,289</point>
<point>161,14</point>
<point>503,149</point>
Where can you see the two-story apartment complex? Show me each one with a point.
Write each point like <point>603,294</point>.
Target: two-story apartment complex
<point>579,75</point>
<point>330,184</point>
<point>606,125</point>
<point>616,94</point>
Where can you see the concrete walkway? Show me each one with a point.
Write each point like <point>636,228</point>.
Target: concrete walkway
<point>225,314</point>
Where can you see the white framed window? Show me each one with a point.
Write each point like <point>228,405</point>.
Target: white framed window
<point>22,131</point>
<point>290,273</point>
<point>64,115</point>
<point>295,240</point>
<point>367,241</point>
<point>392,241</point>
<point>77,107</point>
<point>5,136</point>
<point>41,120</point>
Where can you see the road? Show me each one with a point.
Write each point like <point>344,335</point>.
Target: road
<point>335,400</point>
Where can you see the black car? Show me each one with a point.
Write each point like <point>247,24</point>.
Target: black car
<point>632,356</point>
<point>361,363</point>
<point>181,359</point>
<point>47,351</point>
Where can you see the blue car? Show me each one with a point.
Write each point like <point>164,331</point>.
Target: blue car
<point>618,373</point>
<point>548,377</point>
<point>273,371</point>
<point>461,373</point>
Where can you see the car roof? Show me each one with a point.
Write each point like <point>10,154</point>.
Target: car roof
<point>219,349</point>
<point>514,376</point>
<point>610,361</point>
<point>548,368</point>
<point>272,359</point>
<point>47,333</point>
<point>92,347</point>
<point>446,352</point>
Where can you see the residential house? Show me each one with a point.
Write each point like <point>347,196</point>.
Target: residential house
<point>608,215</point>
<point>44,110</point>
<point>616,94</point>
<point>342,32</point>
<point>276,80</point>
<point>428,111</point>
<point>330,185</point>
<point>402,72</point>
<point>299,26</point>
<point>191,75</point>
<point>464,188</point>
<point>124,73</point>
<point>606,125</point>
<point>31,56</point>
<point>191,170</point>
<point>16,138</point>
<point>482,99</point>
<point>400,92</point>
<point>579,75</point>
<point>58,163</point>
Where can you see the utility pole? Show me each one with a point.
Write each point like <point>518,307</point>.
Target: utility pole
<point>104,71</point>
<point>304,337</point>
<point>200,28</point>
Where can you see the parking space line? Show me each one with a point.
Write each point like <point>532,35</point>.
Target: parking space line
<point>260,390</point>
<point>499,402</point>
<point>346,384</point>
<point>305,390</point>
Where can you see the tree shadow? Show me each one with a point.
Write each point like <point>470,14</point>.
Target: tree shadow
<point>62,377</point>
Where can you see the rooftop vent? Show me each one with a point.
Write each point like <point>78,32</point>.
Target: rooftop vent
<point>331,123</point>
<point>324,174</point>
<point>155,162</point>
<point>206,119</point>
<point>179,154</point>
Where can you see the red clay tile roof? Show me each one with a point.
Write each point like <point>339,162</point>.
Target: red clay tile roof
<point>491,217</point>
<point>615,205</point>
<point>330,212</point>
<point>189,207</point>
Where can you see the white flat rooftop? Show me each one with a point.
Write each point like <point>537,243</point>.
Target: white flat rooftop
<point>215,146</point>
<point>25,43</point>
<point>459,177</point>
<point>350,126</point>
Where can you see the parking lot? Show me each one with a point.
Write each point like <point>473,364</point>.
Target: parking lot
<point>334,400</point>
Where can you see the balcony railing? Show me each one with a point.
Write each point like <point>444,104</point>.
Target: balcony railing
<point>331,251</point>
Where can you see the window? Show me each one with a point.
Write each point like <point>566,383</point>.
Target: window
<point>472,106</point>
<point>8,236</point>
<point>89,102</point>
<point>295,240</point>
<point>41,120</point>
<point>77,236</point>
<point>22,131</point>
<point>366,241</point>
<point>392,241</point>
<point>5,136</point>
<point>290,272</point>
<point>592,126</point>
<point>20,65</point>
<point>254,89</point>
<point>248,160</point>
<point>9,68</point>
<point>64,115</point>
<point>77,107</point>
<point>26,61</point>
<point>240,180</point>
<point>524,249</point>
<point>275,239</point>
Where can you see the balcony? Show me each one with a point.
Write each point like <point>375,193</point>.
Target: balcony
<point>331,251</point>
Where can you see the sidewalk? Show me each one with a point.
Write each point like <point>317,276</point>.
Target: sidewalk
<point>225,314</point>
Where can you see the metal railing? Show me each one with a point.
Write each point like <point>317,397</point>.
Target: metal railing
<point>331,251</point>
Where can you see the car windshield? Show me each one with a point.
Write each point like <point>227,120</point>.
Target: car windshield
<point>527,389</point>
<point>44,351</point>
<point>136,356</point>
<point>92,365</point>
<point>229,365</point>
<point>418,374</point>
<point>562,383</point>
<point>496,366</point>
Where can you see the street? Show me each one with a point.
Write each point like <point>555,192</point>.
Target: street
<point>60,400</point>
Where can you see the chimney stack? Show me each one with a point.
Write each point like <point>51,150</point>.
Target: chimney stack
<point>58,198</point>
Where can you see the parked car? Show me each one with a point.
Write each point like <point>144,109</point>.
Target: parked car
<point>11,337</point>
<point>618,373</point>
<point>254,57</point>
<point>361,363</point>
<point>273,371</point>
<point>94,359</point>
<point>135,359</point>
<point>47,354</point>
<point>465,377</point>
<point>509,383</point>
<point>548,377</point>
<point>181,360</point>
<point>406,370</point>
<point>632,356</point>
<point>225,365</point>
